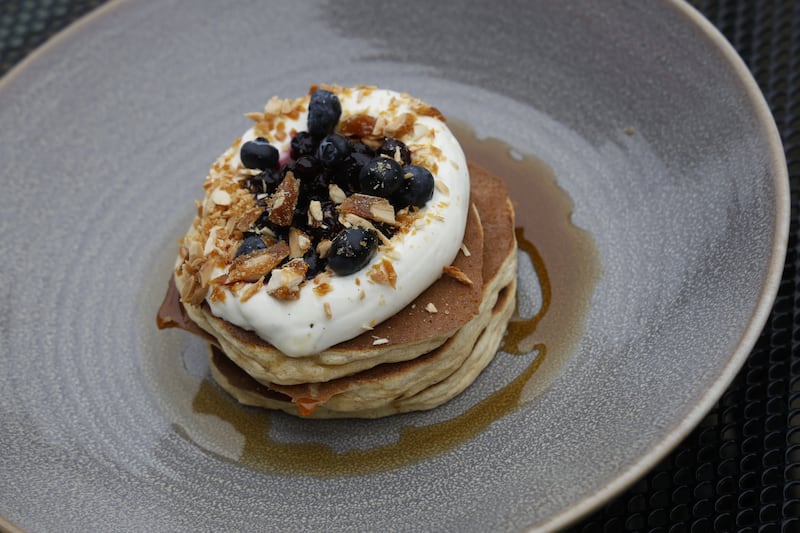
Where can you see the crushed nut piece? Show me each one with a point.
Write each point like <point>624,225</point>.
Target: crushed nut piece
<point>257,264</point>
<point>211,242</point>
<point>322,289</point>
<point>392,254</point>
<point>255,117</point>
<point>370,207</point>
<point>465,250</point>
<point>357,126</point>
<point>336,194</point>
<point>284,284</point>
<point>282,203</point>
<point>323,247</point>
<point>273,107</point>
<point>205,272</point>
<point>457,274</point>
<point>286,106</point>
<point>299,243</point>
<point>350,220</point>
<point>314,213</point>
<point>328,311</point>
<point>383,272</point>
<point>193,292</point>
<point>431,308</point>
<point>441,186</point>
<point>379,127</point>
<point>220,197</point>
<point>377,341</point>
<point>401,126</point>
<point>251,290</point>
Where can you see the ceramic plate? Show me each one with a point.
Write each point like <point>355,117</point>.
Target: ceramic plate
<point>633,137</point>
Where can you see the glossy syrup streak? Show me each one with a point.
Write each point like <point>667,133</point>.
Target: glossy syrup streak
<point>566,264</point>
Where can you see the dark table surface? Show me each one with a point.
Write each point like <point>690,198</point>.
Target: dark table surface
<point>740,469</point>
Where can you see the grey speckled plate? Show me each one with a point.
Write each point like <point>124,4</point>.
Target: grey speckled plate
<point>650,122</point>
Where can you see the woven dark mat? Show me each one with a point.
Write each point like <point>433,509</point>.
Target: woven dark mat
<point>740,469</point>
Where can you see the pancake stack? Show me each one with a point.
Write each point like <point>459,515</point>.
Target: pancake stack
<point>417,359</point>
<point>430,357</point>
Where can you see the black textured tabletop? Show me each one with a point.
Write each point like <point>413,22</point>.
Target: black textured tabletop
<point>739,470</point>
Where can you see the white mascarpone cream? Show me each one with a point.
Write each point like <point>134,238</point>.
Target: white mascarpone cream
<point>354,303</point>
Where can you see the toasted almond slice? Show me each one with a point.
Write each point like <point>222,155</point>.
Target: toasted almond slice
<point>299,243</point>
<point>193,292</point>
<point>370,207</point>
<point>211,241</point>
<point>273,107</point>
<point>401,125</point>
<point>349,220</point>
<point>323,247</point>
<point>205,272</point>
<point>221,197</point>
<point>257,264</point>
<point>286,105</point>
<point>336,194</point>
<point>255,117</point>
<point>457,274</point>
<point>379,127</point>
<point>314,213</point>
<point>251,289</point>
<point>282,203</point>
<point>284,284</point>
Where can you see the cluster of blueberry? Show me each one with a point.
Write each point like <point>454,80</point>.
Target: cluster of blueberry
<point>321,158</point>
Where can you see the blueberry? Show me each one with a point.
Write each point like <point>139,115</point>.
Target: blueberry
<point>324,111</point>
<point>393,148</point>
<point>265,182</point>
<point>351,250</point>
<point>361,148</point>
<point>307,167</point>
<point>302,144</point>
<point>347,175</point>
<point>259,154</point>
<point>416,189</point>
<point>380,177</point>
<point>315,263</point>
<point>333,151</point>
<point>251,243</point>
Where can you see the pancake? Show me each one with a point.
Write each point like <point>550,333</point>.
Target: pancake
<point>422,382</point>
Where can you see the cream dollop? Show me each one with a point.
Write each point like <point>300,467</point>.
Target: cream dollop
<point>353,304</point>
